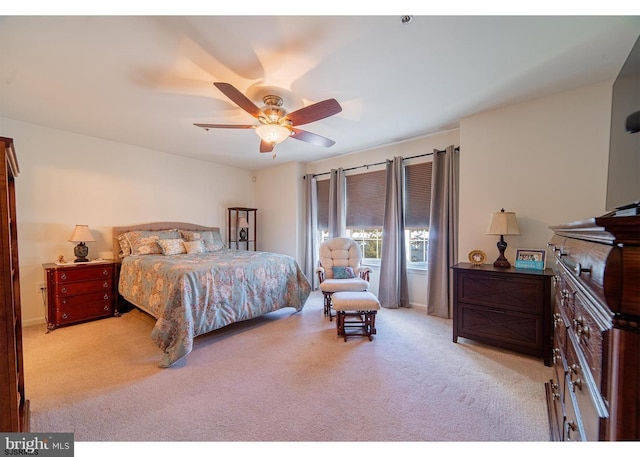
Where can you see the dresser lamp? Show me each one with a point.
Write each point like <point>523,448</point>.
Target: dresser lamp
<point>503,223</point>
<point>81,235</point>
<point>243,225</point>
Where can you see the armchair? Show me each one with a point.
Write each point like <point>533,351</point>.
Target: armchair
<point>340,269</point>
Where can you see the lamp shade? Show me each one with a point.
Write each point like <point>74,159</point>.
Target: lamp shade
<point>242,222</point>
<point>503,223</point>
<point>81,234</point>
<point>273,133</point>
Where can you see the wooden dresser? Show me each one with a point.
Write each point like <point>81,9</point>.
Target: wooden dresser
<point>14,407</point>
<point>595,391</point>
<point>80,292</point>
<point>504,307</point>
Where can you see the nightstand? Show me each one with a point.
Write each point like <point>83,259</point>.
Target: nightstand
<point>80,292</point>
<point>504,307</point>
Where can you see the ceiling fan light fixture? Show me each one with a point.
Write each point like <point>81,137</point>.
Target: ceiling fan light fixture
<point>273,133</point>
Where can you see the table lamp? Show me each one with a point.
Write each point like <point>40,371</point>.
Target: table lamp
<point>503,223</point>
<point>244,232</point>
<point>81,235</point>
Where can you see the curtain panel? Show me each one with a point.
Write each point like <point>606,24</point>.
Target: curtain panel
<point>311,225</point>
<point>337,204</point>
<point>393,288</point>
<point>443,232</point>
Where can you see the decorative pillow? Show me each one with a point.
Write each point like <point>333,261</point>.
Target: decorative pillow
<point>343,273</point>
<point>125,247</point>
<point>211,239</point>
<point>146,241</point>
<point>172,246</point>
<point>194,247</point>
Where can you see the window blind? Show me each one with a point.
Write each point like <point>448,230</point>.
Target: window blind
<point>366,197</point>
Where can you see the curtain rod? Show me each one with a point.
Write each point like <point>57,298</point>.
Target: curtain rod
<point>379,163</point>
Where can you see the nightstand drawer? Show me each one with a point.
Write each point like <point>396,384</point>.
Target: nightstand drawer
<point>501,327</point>
<point>503,290</point>
<point>76,300</point>
<point>82,273</point>
<point>83,287</point>
<point>77,312</point>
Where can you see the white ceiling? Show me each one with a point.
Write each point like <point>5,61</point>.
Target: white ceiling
<point>146,80</point>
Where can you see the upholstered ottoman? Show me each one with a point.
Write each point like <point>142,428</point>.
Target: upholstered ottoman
<point>355,313</point>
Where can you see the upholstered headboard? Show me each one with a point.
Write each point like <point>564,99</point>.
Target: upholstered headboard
<point>152,226</point>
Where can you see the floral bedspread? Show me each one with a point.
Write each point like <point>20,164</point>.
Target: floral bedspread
<point>192,294</point>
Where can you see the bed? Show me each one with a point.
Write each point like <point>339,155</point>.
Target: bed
<point>186,278</point>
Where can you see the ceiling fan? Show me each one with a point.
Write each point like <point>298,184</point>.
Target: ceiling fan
<point>275,124</point>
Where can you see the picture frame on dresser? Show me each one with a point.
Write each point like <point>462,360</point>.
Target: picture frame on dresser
<point>531,259</point>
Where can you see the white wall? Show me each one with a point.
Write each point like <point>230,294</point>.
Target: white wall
<point>280,203</point>
<point>545,159</point>
<point>67,179</point>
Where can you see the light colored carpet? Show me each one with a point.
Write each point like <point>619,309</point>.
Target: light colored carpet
<point>283,377</point>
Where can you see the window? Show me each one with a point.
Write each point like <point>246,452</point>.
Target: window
<point>365,212</point>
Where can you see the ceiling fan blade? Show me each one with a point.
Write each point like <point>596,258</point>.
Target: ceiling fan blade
<point>239,98</point>
<point>312,138</point>
<point>223,126</point>
<point>314,112</point>
<point>266,146</point>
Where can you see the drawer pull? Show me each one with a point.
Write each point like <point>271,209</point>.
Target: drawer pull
<point>570,426</point>
<point>577,383</point>
<point>65,316</point>
<point>581,329</point>
<point>106,308</point>
<point>557,318</point>
<point>63,290</point>
<point>105,285</point>
<point>578,269</point>
<point>105,272</point>
<point>583,332</point>
<point>556,356</point>
<point>556,280</point>
<point>63,276</point>
<point>106,297</point>
<point>574,369</point>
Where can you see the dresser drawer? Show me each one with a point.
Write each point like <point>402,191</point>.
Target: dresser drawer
<point>507,291</point>
<point>589,335</point>
<point>82,287</point>
<point>82,273</point>
<point>584,393</point>
<point>572,425</point>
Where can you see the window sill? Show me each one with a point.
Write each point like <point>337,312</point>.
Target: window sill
<point>417,268</point>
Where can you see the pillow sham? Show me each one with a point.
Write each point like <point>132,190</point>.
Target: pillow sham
<point>194,247</point>
<point>172,246</point>
<point>145,242</point>
<point>343,273</point>
<point>125,247</point>
<point>211,239</point>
